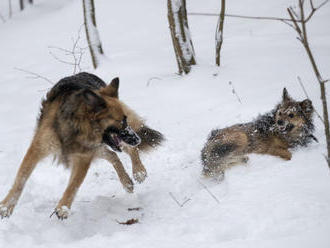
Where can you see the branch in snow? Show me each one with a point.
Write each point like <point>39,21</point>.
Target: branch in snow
<point>234,92</point>
<point>211,194</point>
<point>177,202</point>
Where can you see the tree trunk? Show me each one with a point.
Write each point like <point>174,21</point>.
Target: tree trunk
<point>21,5</point>
<point>182,43</point>
<point>219,33</point>
<point>10,10</point>
<point>92,34</point>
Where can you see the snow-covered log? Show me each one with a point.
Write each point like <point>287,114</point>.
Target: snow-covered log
<point>219,33</point>
<point>182,43</point>
<point>92,34</point>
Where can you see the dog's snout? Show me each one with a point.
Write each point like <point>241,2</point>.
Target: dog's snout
<point>130,137</point>
<point>280,122</point>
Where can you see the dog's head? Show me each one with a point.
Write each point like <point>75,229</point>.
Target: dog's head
<point>107,112</point>
<point>292,117</point>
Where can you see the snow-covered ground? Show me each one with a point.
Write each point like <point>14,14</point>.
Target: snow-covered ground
<point>268,203</point>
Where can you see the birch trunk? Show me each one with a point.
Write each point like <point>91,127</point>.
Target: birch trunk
<point>92,34</point>
<point>182,43</point>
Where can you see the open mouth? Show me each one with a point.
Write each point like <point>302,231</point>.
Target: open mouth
<point>286,128</point>
<point>116,138</point>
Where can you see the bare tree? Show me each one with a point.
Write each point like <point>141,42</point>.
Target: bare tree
<point>182,43</point>
<point>219,32</point>
<point>299,20</point>
<point>92,34</point>
<point>10,9</point>
<point>21,5</point>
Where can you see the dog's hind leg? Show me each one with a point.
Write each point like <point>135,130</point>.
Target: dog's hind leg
<point>139,172</point>
<point>112,157</point>
<point>79,167</point>
<point>40,147</point>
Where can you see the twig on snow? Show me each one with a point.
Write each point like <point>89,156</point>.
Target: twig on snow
<point>152,78</point>
<point>211,194</point>
<point>177,202</point>
<point>234,92</point>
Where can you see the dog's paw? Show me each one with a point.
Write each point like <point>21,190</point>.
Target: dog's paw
<point>6,211</point>
<point>62,212</point>
<point>140,176</point>
<point>129,186</point>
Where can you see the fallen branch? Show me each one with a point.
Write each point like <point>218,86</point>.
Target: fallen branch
<point>211,194</point>
<point>128,222</point>
<point>177,202</point>
<point>234,92</point>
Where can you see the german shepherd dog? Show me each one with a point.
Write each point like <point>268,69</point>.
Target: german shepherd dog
<point>288,125</point>
<point>80,119</point>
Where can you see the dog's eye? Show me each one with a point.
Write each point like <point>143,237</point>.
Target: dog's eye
<point>291,115</point>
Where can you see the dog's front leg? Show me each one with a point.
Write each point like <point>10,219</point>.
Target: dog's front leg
<point>112,158</point>
<point>80,165</point>
<point>280,152</point>
<point>139,172</point>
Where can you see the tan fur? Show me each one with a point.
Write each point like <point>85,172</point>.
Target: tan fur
<point>76,151</point>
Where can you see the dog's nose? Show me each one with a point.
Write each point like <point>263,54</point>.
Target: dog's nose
<point>280,122</point>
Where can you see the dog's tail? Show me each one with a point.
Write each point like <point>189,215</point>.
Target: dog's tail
<point>150,138</point>
<point>214,156</point>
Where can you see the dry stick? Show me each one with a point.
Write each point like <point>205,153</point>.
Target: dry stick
<point>35,75</point>
<point>152,78</point>
<point>177,202</point>
<point>234,92</point>
<point>77,55</point>
<point>303,88</point>
<point>302,37</point>
<point>206,188</point>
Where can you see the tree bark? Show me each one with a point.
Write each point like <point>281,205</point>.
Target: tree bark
<point>10,9</point>
<point>182,43</point>
<point>21,5</point>
<point>219,33</point>
<point>92,34</point>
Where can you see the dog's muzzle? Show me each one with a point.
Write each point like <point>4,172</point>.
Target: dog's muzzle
<point>114,137</point>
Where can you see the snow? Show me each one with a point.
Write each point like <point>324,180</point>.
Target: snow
<point>267,203</point>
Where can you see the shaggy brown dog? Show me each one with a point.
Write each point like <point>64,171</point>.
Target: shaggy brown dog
<point>289,125</point>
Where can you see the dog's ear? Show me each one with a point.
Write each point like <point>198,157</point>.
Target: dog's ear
<point>285,96</point>
<point>93,101</point>
<point>112,89</point>
<point>306,106</point>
